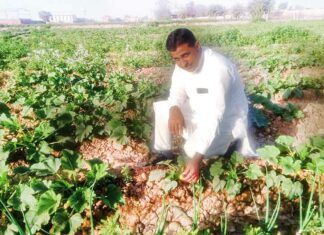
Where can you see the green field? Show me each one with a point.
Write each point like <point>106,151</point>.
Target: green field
<point>60,87</point>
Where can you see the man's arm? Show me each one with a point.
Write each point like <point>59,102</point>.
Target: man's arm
<point>176,121</point>
<point>176,98</point>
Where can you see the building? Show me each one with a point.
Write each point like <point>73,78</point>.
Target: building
<point>63,19</point>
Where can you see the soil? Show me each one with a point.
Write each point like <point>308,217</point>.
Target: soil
<point>144,199</point>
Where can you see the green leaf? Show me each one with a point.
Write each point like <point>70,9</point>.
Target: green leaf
<point>302,151</point>
<point>44,148</point>
<point>98,170</point>
<point>317,142</point>
<point>4,109</point>
<point>22,198</point>
<point>286,186</point>
<point>297,190</point>
<point>48,202</point>
<point>11,229</point>
<point>259,118</point>
<point>60,221</point>
<point>272,179</point>
<point>80,199</point>
<point>40,185</point>
<point>113,197</point>
<point>83,132</point>
<point>70,160</point>
<point>253,172</point>
<point>9,122</point>
<point>157,175</point>
<point>216,169</point>
<point>61,185</point>
<point>218,184</point>
<point>285,140</point>
<point>43,131</point>
<point>36,221</point>
<point>233,188</point>
<point>64,118</point>
<point>289,166</point>
<point>236,158</point>
<point>75,222</point>
<point>117,130</point>
<point>21,170</point>
<point>269,153</point>
<point>48,167</point>
<point>167,185</point>
<point>291,189</point>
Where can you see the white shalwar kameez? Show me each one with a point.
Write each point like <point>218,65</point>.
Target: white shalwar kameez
<point>214,106</point>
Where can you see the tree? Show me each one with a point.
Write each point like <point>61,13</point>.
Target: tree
<point>238,11</point>
<point>258,8</point>
<point>217,10</point>
<point>45,15</point>
<point>162,10</point>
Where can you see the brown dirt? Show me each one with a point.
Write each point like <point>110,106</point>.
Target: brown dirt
<point>144,205</point>
<point>4,78</point>
<point>161,75</point>
<point>305,72</point>
<point>312,105</point>
<point>116,155</point>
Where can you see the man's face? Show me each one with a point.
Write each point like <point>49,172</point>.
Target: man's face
<point>187,57</point>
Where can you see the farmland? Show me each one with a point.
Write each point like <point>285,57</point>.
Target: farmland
<point>76,127</point>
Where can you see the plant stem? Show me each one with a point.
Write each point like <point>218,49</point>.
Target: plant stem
<point>91,216</point>
<point>11,218</point>
<point>255,205</point>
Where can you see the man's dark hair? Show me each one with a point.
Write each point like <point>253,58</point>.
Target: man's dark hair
<point>178,37</point>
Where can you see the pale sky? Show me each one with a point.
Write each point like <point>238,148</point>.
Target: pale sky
<point>114,8</point>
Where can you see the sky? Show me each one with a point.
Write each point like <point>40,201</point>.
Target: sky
<point>96,9</point>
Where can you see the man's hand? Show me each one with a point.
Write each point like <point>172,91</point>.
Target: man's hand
<point>191,173</point>
<point>176,121</point>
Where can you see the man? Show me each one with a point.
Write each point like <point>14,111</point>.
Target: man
<point>206,105</point>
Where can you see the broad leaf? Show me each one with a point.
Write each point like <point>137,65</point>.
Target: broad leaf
<point>48,202</point>
<point>98,170</point>
<point>285,140</point>
<point>9,122</point>
<point>36,221</point>
<point>216,169</point>
<point>44,148</point>
<point>167,185</point>
<point>113,197</point>
<point>75,222</point>
<point>43,131</point>
<point>269,153</point>
<point>60,221</point>
<point>289,166</point>
<point>272,179</point>
<point>83,132</point>
<point>70,160</point>
<point>318,142</point>
<point>80,199</point>
<point>218,184</point>
<point>253,172</point>
<point>236,158</point>
<point>61,185</point>
<point>47,167</point>
<point>233,188</point>
<point>22,198</point>
<point>157,175</point>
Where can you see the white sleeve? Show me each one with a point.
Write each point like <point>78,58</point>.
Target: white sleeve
<point>177,94</point>
<point>212,116</point>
